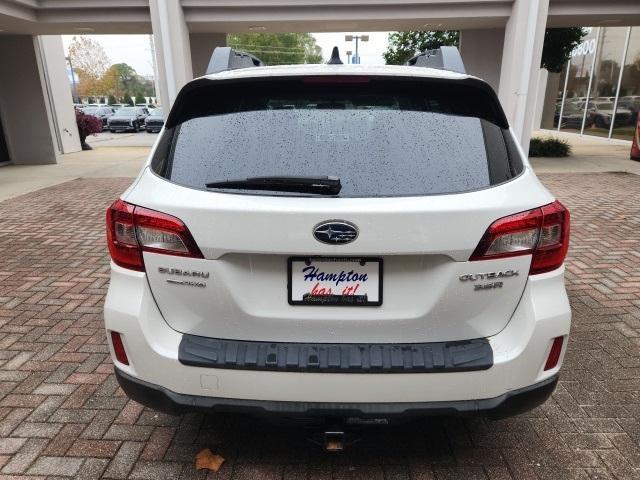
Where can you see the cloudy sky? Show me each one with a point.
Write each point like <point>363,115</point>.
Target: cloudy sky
<point>135,49</point>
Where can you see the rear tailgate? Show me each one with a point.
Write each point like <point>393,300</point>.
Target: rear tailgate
<point>424,243</point>
<point>426,165</point>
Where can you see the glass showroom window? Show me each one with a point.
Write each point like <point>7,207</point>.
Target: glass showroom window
<point>578,83</point>
<point>629,98</point>
<point>604,85</point>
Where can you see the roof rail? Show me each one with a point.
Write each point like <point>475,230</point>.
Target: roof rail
<point>226,58</point>
<point>443,58</point>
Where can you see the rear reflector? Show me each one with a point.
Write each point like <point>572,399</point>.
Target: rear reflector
<point>541,232</point>
<point>118,348</point>
<point>554,354</point>
<point>132,230</point>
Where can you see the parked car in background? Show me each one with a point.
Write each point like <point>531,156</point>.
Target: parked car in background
<point>631,103</point>
<point>128,119</point>
<point>572,115</point>
<point>601,111</point>
<point>155,121</point>
<point>103,113</point>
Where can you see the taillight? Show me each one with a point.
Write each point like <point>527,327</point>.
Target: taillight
<point>554,239</point>
<point>132,230</point>
<point>541,232</point>
<point>121,236</point>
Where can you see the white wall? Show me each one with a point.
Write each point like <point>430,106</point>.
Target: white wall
<point>23,103</point>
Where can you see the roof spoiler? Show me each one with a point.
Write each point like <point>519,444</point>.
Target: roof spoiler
<point>226,58</point>
<point>443,58</point>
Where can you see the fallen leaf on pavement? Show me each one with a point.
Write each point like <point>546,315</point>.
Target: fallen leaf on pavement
<point>206,459</point>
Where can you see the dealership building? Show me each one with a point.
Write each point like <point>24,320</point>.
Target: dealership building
<point>500,41</point>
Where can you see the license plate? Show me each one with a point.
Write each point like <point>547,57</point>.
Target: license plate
<point>323,281</point>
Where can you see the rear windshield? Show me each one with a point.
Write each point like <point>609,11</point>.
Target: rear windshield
<point>379,137</point>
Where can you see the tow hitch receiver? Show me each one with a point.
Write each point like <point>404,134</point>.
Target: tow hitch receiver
<point>334,440</point>
<point>335,435</point>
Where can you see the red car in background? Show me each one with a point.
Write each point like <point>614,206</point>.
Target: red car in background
<point>635,144</point>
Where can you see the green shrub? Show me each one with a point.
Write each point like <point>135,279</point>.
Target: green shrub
<point>549,147</point>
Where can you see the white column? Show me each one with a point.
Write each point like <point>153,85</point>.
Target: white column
<point>481,51</point>
<point>55,81</point>
<point>202,45</point>
<point>173,53</point>
<point>549,100</point>
<point>541,89</point>
<point>523,41</point>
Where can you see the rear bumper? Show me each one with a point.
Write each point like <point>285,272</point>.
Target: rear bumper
<point>519,354</point>
<point>508,404</point>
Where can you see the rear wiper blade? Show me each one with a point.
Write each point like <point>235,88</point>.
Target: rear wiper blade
<point>320,185</point>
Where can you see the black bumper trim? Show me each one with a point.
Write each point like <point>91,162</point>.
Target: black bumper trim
<point>460,356</point>
<point>164,400</point>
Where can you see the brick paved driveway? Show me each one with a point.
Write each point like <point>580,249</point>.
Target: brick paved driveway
<point>62,414</point>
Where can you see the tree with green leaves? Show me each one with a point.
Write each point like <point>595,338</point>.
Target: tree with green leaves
<point>112,100</point>
<point>121,78</point>
<point>127,100</point>
<point>278,48</point>
<point>558,44</point>
<point>140,98</point>
<point>404,45</point>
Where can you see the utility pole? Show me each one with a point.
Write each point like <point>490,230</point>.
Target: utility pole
<point>357,38</point>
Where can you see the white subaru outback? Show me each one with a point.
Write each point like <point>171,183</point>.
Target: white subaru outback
<point>337,240</point>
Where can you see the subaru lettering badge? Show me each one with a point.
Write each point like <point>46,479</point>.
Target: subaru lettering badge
<point>335,232</point>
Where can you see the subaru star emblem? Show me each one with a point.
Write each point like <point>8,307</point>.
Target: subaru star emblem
<point>335,232</point>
